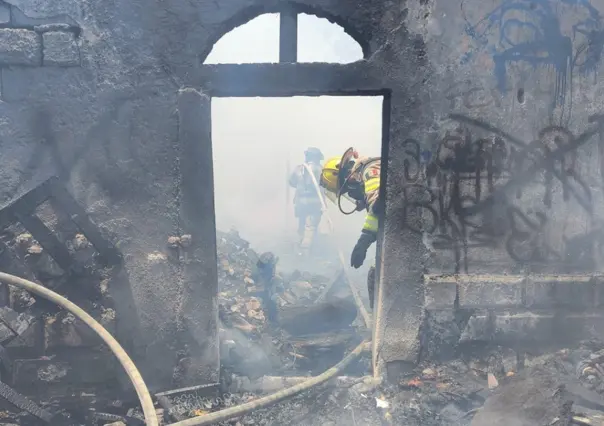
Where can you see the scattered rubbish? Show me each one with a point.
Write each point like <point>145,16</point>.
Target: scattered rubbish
<point>277,328</point>
<point>278,312</point>
<point>428,374</point>
<point>381,403</point>
<point>492,381</point>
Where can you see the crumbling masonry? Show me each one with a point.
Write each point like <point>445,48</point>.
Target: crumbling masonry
<point>491,139</point>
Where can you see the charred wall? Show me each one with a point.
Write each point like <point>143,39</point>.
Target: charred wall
<point>508,182</point>
<point>117,127</point>
<point>492,149</point>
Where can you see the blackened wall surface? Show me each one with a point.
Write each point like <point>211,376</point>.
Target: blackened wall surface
<point>508,182</point>
<point>493,163</point>
<point>90,93</point>
<point>513,169</point>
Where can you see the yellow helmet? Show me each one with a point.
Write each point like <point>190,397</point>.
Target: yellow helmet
<point>334,175</point>
<point>329,174</point>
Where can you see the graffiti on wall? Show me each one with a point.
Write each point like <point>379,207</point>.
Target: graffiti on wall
<point>485,188</point>
<point>566,36</point>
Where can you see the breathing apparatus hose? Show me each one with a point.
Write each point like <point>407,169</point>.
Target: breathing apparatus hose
<point>353,289</point>
<point>266,401</point>
<point>119,352</point>
<point>342,208</point>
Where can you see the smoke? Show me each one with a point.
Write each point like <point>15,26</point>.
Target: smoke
<point>256,139</point>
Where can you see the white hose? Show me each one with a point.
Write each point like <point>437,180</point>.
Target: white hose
<point>119,352</point>
<point>353,289</point>
<point>240,410</point>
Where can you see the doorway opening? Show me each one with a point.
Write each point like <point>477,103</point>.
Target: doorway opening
<point>257,143</point>
<point>263,119</point>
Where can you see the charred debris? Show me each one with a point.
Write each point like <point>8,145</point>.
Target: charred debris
<point>277,328</point>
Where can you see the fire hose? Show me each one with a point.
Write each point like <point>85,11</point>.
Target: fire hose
<point>119,352</point>
<point>138,382</point>
<point>266,401</point>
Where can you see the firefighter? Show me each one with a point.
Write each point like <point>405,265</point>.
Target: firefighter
<point>357,179</point>
<point>307,204</point>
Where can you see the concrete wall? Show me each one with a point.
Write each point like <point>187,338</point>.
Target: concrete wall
<point>514,163</point>
<point>134,146</point>
<point>85,98</point>
<point>508,182</point>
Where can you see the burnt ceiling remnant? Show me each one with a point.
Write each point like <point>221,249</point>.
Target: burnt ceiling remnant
<point>494,174</point>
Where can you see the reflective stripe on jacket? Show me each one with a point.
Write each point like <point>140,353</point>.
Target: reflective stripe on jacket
<point>370,175</point>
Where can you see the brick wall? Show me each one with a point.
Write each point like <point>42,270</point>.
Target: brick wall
<point>35,43</point>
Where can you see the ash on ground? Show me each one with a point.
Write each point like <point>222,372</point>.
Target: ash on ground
<point>277,323</point>
<point>482,388</point>
<point>479,385</point>
<point>291,325</point>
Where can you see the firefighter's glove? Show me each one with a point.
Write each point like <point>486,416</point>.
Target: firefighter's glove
<point>360,249</point>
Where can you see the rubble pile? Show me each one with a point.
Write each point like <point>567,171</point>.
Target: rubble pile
<point>46,353</point>
<point>491,385</point>
<point>276,322</point>
<point>239,282</point>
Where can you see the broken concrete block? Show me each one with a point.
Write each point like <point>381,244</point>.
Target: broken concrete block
<point>56,374</point>
<point>65,330</point>
<point>484,291</point>
<point>60,49</point>
<point>20,47</point>
<point>18,322</point>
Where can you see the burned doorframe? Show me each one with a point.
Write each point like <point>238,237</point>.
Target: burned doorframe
<point>284,79</point>
<point>253,80</point>
<point>392,69</point>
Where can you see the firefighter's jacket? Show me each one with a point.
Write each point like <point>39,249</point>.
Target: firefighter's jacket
<point>367,171</point>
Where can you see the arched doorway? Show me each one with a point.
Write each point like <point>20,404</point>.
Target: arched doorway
<point>285,78</point>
